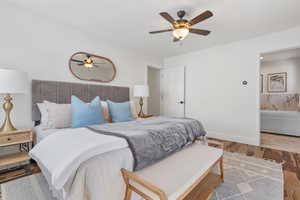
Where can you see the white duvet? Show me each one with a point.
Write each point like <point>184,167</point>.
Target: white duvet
<point>82,165</point>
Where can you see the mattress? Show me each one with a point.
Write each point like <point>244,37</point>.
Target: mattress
<point>281,122</point>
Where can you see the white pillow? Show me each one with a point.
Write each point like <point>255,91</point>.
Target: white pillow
<point>133,110</point>
<point>44,114</point>
<point>59,115</point>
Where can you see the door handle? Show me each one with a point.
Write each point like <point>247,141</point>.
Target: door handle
<point>181,102</point>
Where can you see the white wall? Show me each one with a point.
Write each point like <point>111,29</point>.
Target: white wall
<point>291,66</point>
<point>214,91</point>
<point>42,48</point>
<point>154,91</point>
<point>298,75</point>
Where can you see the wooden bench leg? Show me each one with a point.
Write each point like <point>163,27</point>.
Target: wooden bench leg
<point>128,193</point>
<point>222,169</point>
<point>129,176</point>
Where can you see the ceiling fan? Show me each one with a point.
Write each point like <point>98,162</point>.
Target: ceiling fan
<point>182,27</point>
<point>88,62</point>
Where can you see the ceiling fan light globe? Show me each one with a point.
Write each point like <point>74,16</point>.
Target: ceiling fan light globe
<point>88,65</point>
<point>180,33</point>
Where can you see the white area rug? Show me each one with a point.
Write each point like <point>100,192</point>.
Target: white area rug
<point>246,178</point>
<point>250,178</point>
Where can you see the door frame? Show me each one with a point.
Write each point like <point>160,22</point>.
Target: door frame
<point>258,78</point>
<point>146,82</point>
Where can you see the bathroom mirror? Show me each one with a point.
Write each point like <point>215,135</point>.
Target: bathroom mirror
<point>90,67</point>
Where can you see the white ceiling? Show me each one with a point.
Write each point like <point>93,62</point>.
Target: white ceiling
<point>281,55</point>
<point>127,22</point>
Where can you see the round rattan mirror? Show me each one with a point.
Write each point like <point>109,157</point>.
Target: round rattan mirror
<point>90,67</point>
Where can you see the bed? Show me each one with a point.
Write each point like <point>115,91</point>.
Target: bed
<point>60,92</point>
<point>280,122</point>
<point>87,164</point>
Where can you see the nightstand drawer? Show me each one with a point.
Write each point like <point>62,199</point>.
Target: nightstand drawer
<point>15,139</point>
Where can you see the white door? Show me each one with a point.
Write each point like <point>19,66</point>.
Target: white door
<point>173,92</point>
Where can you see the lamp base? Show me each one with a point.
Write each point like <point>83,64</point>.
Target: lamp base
<point>7,125</point>
<point>141,113</point>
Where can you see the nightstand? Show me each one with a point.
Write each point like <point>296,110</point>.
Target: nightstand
<point>23,138</point>
<point>145,116</point>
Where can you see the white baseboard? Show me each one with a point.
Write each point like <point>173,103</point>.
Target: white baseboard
<point>234,137</point>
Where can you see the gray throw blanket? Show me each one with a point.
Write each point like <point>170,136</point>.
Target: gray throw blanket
<point>153,139</point>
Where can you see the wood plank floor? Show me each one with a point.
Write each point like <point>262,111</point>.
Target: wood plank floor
<point>281,142</point>
<point>291,164</point>
<point>19,172</point>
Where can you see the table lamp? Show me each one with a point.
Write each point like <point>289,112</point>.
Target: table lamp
<point>11,82</point>
<point>141,91</point>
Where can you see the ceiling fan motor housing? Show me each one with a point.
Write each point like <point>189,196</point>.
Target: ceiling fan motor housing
<point>182,23</point>
<point>181,14</point>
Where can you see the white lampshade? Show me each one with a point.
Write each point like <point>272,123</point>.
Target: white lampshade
<point>141,91</point>
<point>13,81</point>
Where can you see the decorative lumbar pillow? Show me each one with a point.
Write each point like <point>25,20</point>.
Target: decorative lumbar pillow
<point>86,114</point>
<point>120,112</point>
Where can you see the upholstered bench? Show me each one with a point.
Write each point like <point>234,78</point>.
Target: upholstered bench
<point>175,177</point>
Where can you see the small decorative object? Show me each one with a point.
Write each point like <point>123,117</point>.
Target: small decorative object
<point>11,82</point>
<point>261,83</point>
<point>277,82</point>
<point>90,67</point>
<point>141,91</point>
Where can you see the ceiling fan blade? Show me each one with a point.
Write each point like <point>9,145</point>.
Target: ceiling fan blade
<point>74,60</point>
<point>207,14</point>
<point>167,17</point>
<point>100,63</point>
<point>161,31</point>
<point>199,31</point>
<point>175,39</point>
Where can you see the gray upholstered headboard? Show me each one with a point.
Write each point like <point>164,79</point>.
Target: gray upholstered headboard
<point>61,92</point>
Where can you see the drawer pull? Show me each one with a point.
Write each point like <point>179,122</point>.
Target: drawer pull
<point>8,139</point>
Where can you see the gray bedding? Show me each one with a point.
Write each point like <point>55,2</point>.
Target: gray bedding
<point>153,139</point>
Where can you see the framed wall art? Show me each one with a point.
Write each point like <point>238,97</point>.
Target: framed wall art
<point>277,82</point>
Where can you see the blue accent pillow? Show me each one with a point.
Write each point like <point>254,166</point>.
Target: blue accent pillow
<point>86,114</point>
<point>120,112</point>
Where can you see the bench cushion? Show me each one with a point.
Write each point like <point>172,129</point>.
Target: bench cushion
<point>175,174</point>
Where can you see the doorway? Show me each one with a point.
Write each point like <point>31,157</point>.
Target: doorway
<point>153,101</point>
<point>280,100</point>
